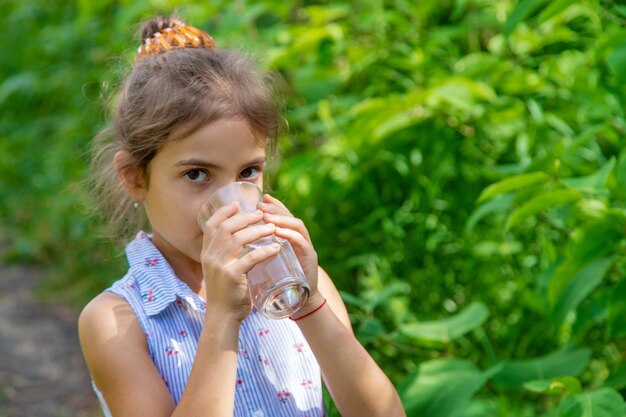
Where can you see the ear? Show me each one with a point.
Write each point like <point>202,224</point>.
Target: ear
<point>129,175</point>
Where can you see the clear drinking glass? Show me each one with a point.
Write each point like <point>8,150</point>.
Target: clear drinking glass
<point>278,286</point>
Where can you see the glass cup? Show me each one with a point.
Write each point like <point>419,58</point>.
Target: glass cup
<point>278,286</point>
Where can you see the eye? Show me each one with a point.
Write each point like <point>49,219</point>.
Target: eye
<point>196,175</point>
<point>250,173</point>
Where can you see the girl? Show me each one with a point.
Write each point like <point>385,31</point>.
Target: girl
<point>177,336</point>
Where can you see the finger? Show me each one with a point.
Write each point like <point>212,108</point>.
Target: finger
<point>254,257</point>
<point>287,222</point>
<point>248,236</point>
<point>222,214</point>
<point>300,243</point>
<point>273,206</point>
<point>226,212</point>
<point>230,223</point>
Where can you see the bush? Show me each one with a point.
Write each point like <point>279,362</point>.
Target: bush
<point>458,163</point>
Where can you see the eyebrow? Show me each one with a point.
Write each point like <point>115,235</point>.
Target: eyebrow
<point>206,164</point>
<point>194,162</point>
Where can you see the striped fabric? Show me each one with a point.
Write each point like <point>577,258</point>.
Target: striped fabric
<point>277,374</point>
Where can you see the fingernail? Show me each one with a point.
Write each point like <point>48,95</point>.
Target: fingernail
<point>257,212</point>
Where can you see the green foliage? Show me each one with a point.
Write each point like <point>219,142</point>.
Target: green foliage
<point>602,402</point>
<point>459,164</point>
<point>441,387</point>
<point>446,330</point>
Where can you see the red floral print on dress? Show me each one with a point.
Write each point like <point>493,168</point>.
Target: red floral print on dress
<point>307,383</point>
<point>283,396</point>
<point>180,303</point>
<point>171,351</point>
<point>150,262</point>
<point>148,296</point>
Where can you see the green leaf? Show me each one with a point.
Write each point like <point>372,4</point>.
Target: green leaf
<point>24,82</point>
<point>617,62</point>
<point>369,330</point>
<point>604,402</point>
<point>620,9</point>
<point>558,124</point>
<point>542,202</point>
<point>442,387</point>
<point>512,184</point>
<point>617,378</point>
<point>581,285</point>
<point>553,8</point>
<point>399,113</point>
<point>563,362</point>
<point>498,203</point>
<point>450,328</point>
<point>587,244</point>
<point>617,310</point>
<point>522,11</point>
<point>461,93</point>
<point>396,287</point>
<point>597,238</point>
<point>557,386</point>
<point>593,183</point>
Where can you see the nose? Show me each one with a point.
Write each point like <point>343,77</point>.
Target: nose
<point>226,182</point>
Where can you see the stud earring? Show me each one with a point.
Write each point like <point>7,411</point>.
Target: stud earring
<point>136,205</point>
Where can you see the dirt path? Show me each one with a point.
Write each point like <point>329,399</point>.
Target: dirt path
<point>42,373</point>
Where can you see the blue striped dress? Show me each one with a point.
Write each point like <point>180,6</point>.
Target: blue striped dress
<point>277,374</point>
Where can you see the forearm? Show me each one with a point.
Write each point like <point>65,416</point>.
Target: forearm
<point>356,383</point>
<point>210,389</point>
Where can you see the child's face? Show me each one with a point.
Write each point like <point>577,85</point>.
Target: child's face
<point>185,172</point>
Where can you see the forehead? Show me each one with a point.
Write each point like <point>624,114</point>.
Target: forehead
<point>219,142</point>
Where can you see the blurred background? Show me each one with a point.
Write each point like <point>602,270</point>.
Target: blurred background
<point>460,165</point>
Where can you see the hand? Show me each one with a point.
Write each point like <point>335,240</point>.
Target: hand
<point>225,234</point>
<point>293,229</point>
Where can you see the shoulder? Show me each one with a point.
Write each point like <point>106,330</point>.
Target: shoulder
<point>105,304</point>
<point>108,317</point>
<point>117,355</point>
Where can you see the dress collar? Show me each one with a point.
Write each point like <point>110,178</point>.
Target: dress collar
<point>155,278</point>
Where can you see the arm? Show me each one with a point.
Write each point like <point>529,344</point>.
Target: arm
<point>116,353</point>
<point>356,383</point>
<point>115,347</point>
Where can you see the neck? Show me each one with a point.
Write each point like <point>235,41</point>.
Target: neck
<point>192,276</point>
<point>185,268</point>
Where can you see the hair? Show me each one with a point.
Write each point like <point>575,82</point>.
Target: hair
<point>169,94</point>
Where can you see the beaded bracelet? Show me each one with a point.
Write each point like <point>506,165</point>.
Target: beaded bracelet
<point>310,312</point>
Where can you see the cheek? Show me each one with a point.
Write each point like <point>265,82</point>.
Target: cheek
<point>172,206</point>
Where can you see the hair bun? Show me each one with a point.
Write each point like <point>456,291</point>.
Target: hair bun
<point>161,34</point>
<point>157,24</point>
